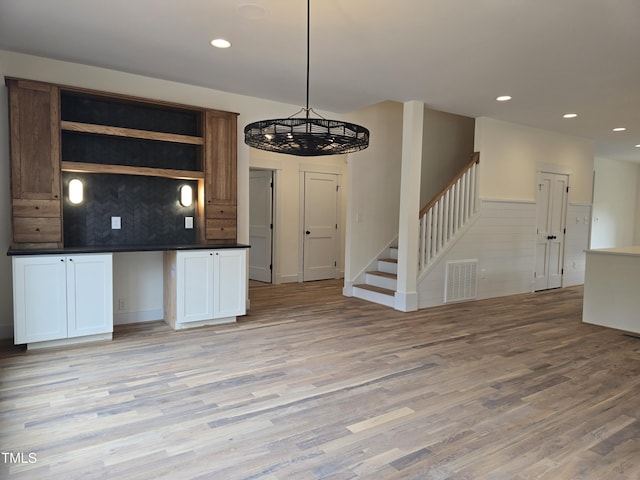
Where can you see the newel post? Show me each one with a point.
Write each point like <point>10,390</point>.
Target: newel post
<point>406,297</point>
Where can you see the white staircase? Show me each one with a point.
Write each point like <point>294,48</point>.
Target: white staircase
<point>442,221</point>
<point>380,285</point>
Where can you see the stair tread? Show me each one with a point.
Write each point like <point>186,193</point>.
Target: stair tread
<point>390,260</point>
<point>384,291</point>
<point>383,274</point>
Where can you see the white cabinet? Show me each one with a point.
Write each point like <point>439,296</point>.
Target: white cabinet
<point>229,283</point>
<point>195,286</point>
<point>57,298</point>
<point>204,287</point>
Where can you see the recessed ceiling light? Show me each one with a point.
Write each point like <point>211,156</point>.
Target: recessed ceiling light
<point>220,43</point>
<point>570,115</point>
<point>503,98</point>
<point>619,129</point>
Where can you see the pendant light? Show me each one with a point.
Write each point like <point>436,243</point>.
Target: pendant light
<point>306,136</point>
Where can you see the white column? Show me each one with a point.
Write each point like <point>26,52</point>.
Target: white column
<point>406,298</point>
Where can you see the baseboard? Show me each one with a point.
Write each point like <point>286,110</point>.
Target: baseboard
<point>137,317</point>
<point>289,278</point>
<point>406,302</point>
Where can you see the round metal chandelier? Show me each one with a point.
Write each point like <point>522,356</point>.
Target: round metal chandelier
<point>306,136</point>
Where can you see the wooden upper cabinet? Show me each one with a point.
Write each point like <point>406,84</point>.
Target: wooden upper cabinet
<point>220,177</point>
<point>220,162</point>
<point>35,140</point>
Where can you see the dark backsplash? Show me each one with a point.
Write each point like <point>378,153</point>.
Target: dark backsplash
<point>148,207</point>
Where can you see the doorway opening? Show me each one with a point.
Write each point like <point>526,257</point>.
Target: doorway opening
<point>551,218</point>
<point>261,225</point>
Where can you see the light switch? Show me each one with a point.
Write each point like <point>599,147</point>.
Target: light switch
<point>188,223</point>
<point>115,223</point>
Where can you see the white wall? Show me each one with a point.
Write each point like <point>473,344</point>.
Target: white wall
<point>510,155</point>
<point>502,237</point>
<point>374,188</point>
<point>288,206</point>
<point>132,279</point>
<point>447,145</point>
<point>615,200</point>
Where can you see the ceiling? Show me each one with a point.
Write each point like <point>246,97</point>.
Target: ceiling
<point>552,56</point>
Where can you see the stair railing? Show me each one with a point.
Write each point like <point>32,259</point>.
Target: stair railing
<point>447,213</point>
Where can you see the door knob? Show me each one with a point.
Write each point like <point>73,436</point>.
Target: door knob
<point>308,232</point>
<point>551,237</point>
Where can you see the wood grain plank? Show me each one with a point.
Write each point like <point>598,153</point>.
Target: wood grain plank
<point>314,385</point>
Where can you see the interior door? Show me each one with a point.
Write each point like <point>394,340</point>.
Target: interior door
<point>320,226</point>
<point>552,198</point>
<point>260,225</point>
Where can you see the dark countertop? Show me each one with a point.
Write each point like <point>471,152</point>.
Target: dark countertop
<point>121,249</point>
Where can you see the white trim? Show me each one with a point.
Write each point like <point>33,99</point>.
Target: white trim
<point>507,200</point>
<point>319,168</point>
<point>571,204</point>
<point>289,278</point>
<point>406,301</point>
<point>553,168</point>
<point>138,317</point>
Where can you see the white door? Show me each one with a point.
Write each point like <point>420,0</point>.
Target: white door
<point>551,199</point>
<point>230,283</point>
<point>320,226</point>
<point>89,294</point>
<point>194,285</point>
<point>39,298</point>
<point>260,224</point>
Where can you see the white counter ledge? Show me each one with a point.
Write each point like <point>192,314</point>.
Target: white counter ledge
<point>612,288</point>
<point>632,250</point>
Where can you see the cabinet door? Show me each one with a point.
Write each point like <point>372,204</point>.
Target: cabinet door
<point>220,158</point>
<point>89,294</point>
<point>39,298</point>
<point>194,285</point>
<point>230,283</point>
<point>35,140</point>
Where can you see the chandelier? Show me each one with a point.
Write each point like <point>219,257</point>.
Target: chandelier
<point>306,135</point>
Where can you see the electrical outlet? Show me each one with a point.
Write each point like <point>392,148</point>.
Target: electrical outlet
<point>188,223</point>
<point>122,305</point>
<point>116,223</point>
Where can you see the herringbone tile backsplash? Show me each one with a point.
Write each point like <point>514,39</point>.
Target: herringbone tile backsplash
<point>148,207</point>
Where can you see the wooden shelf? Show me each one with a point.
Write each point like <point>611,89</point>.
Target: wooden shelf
<point>129,132</point>
<point>127,170</point>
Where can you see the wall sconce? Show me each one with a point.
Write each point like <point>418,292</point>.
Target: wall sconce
<point>186,195</point>
<point>76,191</point>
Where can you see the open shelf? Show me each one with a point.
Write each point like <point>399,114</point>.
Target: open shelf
<point>127,170</point>
<point>129,132</point>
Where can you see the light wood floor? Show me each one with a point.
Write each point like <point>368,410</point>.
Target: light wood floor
<point>314,385</point>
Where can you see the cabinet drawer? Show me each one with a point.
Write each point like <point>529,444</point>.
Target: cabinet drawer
<point>220,229</point>
<point>37,229</point>
<point>221,211</point>
<point>36,208</point>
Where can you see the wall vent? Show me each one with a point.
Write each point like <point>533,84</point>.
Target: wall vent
<point>461,282</point>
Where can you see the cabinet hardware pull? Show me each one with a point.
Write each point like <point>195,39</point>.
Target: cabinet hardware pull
<point>37,229</point>
<point>37,208</point>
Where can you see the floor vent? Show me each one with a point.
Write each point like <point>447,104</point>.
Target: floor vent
<point>461,282</point>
